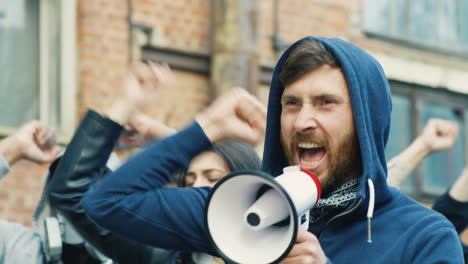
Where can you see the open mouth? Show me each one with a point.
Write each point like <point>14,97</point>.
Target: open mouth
<point>309,155</point>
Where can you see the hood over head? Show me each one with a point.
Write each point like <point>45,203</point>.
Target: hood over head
<point>371,104</point>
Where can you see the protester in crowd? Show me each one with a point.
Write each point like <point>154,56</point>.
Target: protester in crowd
<point>329,112</point>
<point>84,163</point>
<point>438,135</point>
<point>35,142</point>
<point>454,205</point>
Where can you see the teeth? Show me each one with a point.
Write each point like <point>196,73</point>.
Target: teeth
<point>309,145</point>
<point>308,163</point>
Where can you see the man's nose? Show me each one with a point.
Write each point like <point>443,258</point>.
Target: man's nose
<point>306,119</point>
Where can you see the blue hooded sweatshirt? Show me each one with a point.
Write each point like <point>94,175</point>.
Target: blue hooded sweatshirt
<point>402,230</point>
<point>132,201</point>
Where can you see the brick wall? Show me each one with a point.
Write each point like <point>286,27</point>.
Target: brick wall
<point>102,51</point>
<point>300,18</point>
<point>20,191</point>
<point>178,24</point>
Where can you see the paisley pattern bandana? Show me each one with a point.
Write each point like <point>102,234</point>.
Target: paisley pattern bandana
<point>336,202</point>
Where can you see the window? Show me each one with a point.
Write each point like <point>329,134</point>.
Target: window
<point>413,106</point>
<point>434,24</point>
<point>401,133</point>
<point>37,70</point>
<point>19,66</point>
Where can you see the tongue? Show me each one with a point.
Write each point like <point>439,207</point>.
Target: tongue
<point>313,155</point>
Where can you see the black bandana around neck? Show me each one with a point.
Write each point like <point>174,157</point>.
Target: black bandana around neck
<point>336,202</point>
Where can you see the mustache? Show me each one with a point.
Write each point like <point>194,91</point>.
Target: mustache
<point>309,137</point>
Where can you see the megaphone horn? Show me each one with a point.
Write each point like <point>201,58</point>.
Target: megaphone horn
<point>252,217</point>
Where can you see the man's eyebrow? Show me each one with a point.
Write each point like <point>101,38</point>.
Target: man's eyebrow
<point>288,97</point>
<point>318,96</point>
<point>330,96</point>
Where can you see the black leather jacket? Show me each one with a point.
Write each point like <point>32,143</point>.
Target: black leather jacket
<point>81,166</point>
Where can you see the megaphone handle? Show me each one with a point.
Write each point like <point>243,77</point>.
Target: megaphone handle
<point>304,220</point>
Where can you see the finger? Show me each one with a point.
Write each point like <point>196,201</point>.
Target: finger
<point>50,140</point>
<point>442,124</point>
<point>56,150</point>
<point>247,133</point>
<point>47,138</point>
<point>36,155</point>
<point>136,70</point>
<point>447,128</point>
<point>258,119</point>
<point>31,126</point>
<point>157,74</point>
<point>41,136</point>
<point>47,156</point>
<point>168,72</point>
<point>306,244</point>
<point>445,143</point>
<point>38,135</point>
<point>127,140</point>
<point>253,111</point>
<point>163,74</point>
<point>454,129</point>
<point>142,73</point>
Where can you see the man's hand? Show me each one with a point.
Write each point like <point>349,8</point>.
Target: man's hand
<point>141,129</point>
<point>142,86</point>
<point>439,134</point>
<point>306,250</point>
<point>237,114</point>
<point>34,141</point>
<point>145,82</point>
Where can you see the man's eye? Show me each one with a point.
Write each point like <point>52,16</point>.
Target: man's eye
<point>291,102</point>
<point>325,101</point>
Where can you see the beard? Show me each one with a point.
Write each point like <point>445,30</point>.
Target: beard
<point>345,162</point>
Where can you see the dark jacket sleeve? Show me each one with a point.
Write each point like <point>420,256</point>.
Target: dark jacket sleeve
<point>456,212</point>
<point>132,202</point>
<point>82,164</point>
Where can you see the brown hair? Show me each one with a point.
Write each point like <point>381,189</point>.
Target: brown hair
<point>307,56</point>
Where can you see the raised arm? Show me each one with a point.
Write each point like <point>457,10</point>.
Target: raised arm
<point>454,203</point>
<point>34,141</point>
<point>132,202</point>
<point>80,167</point>
<point>438,135</point>
<point>83,164</point>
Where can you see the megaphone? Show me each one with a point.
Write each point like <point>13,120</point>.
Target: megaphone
<point>253,218</point>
